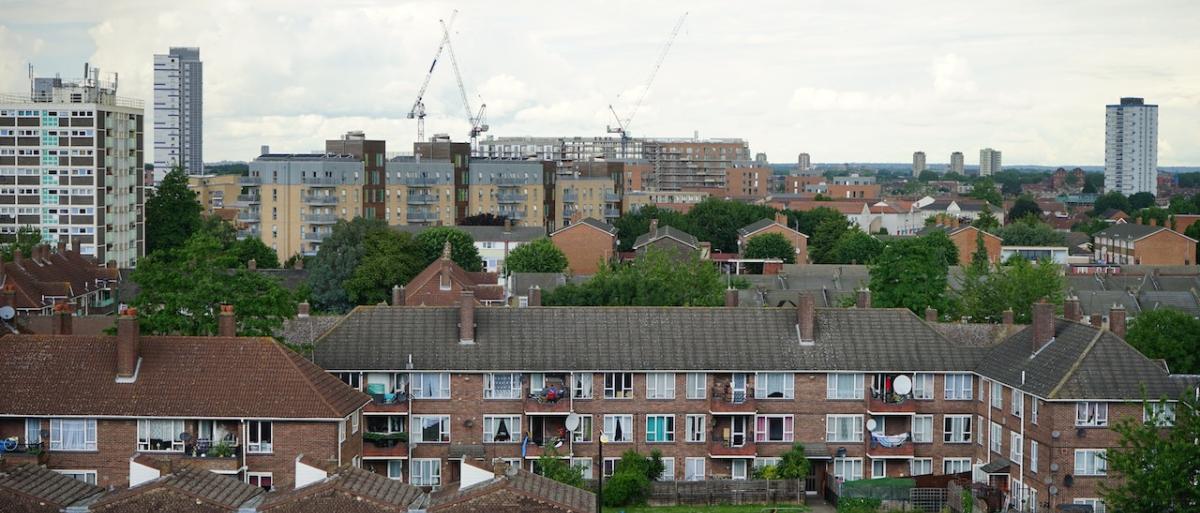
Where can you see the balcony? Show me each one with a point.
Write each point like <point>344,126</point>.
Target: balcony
<point>724,400</point>
<point>249,216</point>
<point>554,399</point>
<point>315,236</point>
<point>252,233</point>
<point>612,212</point>
<point>512,180</point>
<point>386,403</point>
<point>422,199</point>
<point>421,181</point>
<point>249,180</point>
<point>13,453</point>
<point>725,449</point>
<point>570,197</point>
<point>385,445</point>
<point>511,198</point>
<point>611,197</point>
<point>515,215</point>
<point>323,181</point>
<point>422,217</point>
<point>319,218</point>
<point>903,449</point>
<point>890,403</point>
<point>249,199</point>
<point>319,199</point>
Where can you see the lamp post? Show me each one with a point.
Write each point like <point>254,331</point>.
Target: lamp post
<point>600,488</point>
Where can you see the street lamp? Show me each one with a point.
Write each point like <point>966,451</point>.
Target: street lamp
<point>600,488</point>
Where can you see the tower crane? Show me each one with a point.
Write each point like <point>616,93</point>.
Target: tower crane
<point>476,120</point>
<point>418,109</point>
<point>623,124</point>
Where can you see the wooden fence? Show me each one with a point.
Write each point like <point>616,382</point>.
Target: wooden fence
<point>723,491</point>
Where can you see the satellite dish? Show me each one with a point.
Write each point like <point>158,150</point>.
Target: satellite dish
<point>572,422</point>
<point>1054,467</point>
<point>871,424</point>
<point>185,437</point>
<point>1053,491</point>
<point>903,385</point>
<point>7,312</point>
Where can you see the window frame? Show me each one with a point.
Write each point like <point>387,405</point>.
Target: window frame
<point>418,388</point>
<point>762,427</point>
<point>143,433</point>
<point>697,390</point>
<point>857,428</point>
<point>1098,461</point>
<point>584,433</point>
<point>833,386</point>
<point>258,476</point>
<point>418,467</point>
<point>995,438</point>
<point>514,428</point>
<point>997,395</point>
<point>1017,408</point>
<point>912,466</point>
<point>1165,410</point>
<point>660,386</point>
<point>958,463</point>
<point>762,385</point>
<point>583,382</point>
<point>612,387</point>
<point>254,430</point>
<point>928,439</point>
<point>491,393</point>
<point>1099,408</point>
<point>668,432</point>
<point>1016,446</point>
<point>89,476</point>
<point>629,433</point>
<point>690,467</point>
<point>1033,456</point>
<point>89,430</point>
<point>855,464</point>
<point>966,431</point>
<point>958,387</point>
<point>416,431</point>
<point>923,392</point>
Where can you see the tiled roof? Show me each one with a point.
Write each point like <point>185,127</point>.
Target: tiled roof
<point>63,274</point>
<point>664,232</point>
<point>522,282</point>
<point>1101,301</point>
<point>46,485</point>
<point>221,491</point>
<point>755,226</point>
<point>594,223</point>
<point>637,338</point>
<point>487,233</point>
<point>305,330</point>
<point>227,377</point>
<point>481,283</point>
<point>1128,231</point>
<point>1182,301</point>
<point>521,482</point>
<point>350,485</point>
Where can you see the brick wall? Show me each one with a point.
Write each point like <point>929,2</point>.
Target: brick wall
<point>798,241</point>
<point>585,248</point>
<point>315,440</point>
<point>1165,248</point>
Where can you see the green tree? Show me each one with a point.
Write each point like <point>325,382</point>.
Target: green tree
<point>1140,200</point>
<point>717,221</point>
<point>251,248</point>
<point>172,213</point>
<point>927,176</point>
<point>911,273</point>
<point>336,261</point>
<point>182,290</point>
<point>653,279</point>
<point>987,220</point>
<point>1168,334</point>
<point>462,247</point>
<point>985,189</point>
<point>1154,216</point>
<point>980,258</point>
<point>986,293</point>
<point>1154,469</point>
<point>626,488</point>
<point>941,241</point>
<point>1031,232</point>
<point>1093,182</point>
<point>771,245</point>
<point>538,256</point>
<point>793,464</point>
<point>558,469</point>
<point>1090,226</point>
<point>1193,231</point>
<point>1111,199</point>
<point>632,225</point>
<point>389,258</point>
<point>823,239</point>
<point>25,239</point>
<point>856,247</point>
<point>1024,206</point>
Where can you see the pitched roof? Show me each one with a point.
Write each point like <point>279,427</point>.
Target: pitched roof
<point>487,233</point>
<point>762,224</point>
<point>217,490</point>
<point>592,222</point>
<point>206,377</point>
<point>1134,231</point>
<point>521,482</point>
<point>637,338</point>
<point>1182,301</point>
<point>350,485</point>
<point>663,232</point>
<point>44,485</point>
<point>59,274</point>
<point>482,284</point>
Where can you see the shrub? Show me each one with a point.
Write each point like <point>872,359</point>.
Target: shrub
<point>626,487</point>
<point>858,505</point>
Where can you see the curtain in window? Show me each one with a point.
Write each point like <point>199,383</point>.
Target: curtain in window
<point>74,435</point>
<point>502,434</point>
<point>431,429</point>
<point>760,431</point>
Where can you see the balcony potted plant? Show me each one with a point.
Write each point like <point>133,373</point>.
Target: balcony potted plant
<point>221,450</point>
<point>385,439</point>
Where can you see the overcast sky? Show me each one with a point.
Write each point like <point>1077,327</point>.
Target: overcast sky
<point>841,80</point>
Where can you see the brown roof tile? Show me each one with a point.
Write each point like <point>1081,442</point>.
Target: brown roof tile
<point>521,482</point>
<point>53,274</point>
<point>193,489</point>
<point>44,485</point>
<point>345,490</point>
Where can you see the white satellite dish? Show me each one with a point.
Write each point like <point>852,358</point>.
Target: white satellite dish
<point>871,424</point>
<point>7,312</point>
<point>902,385</point>
<point>572,422</point>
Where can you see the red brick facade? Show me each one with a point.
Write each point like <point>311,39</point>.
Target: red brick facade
<point>586,247</point>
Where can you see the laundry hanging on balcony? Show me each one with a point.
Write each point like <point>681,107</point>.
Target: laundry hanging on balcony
<point>889,440</point>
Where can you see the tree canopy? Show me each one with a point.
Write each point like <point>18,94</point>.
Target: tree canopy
<point>771,245</point>
<point>1030,232</point>
<point>25,239</point>
<point>337,260</point>
<point>1168,334</point>
<point>172,213</point>
<point>462,247</point>
<point>537,256</point>
<point>986,221</point>
<point>911,273</point>
<point>389,258</point>
<point>985,189</point>
<point>484,219</point>
<point>987,292</point>
<point>1024,206</point>
<point>855,247</point>
<point>653,279</point>
<point>1155,469</point>
<point>1111,199</point>
<point>1140,200</point>
<point>632,225</point>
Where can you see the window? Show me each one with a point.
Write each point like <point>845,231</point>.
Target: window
<point>501,428</point>
<point>956,429</point>
<point>354,422</point>
<point>923,386</point>
<point>618,428</point>
<point>609,466</point>
<point>922,431</point>
<point>395,470</point>
<point>618,385</point>
<point>997,396</point>
<point>259,437</point>
<point>848,469</point>
<point>921,466</point>
<point>694,424</point>
<point>979,429</point>
<point>956,465</point>
<point>1018,403</point>
<point>774,428</point>
<point>33,431</point>
<point>87,476</point>
<point>584,432</point>
<point>1091,414</point>
<point>260,479</point>
<point>668,473</point>
<point>878,469</point>
<point>1090,462</point>
<point>1096,504</point>
<point>504,385</point>
<point>1015,446</point>
<point>584,465</point>
<point>1160,414</point>
<point>994,441</point>
<point>583,385</point>
<point>1033,456</point>
<point>73,434</point>
<point>1033,410</point>
<point>776,385</point>
<point>430,428</point>
<point>844,386</point>
<point>351,378</point>
<point>431,385</point>
<point>693,469</point>
<point>843,428</point>
<point>660,385</point>
<point>426,472</point>
<point>697,385</point>
<point>660,428</point>
<point>958,387</point>
<point>160,435</point>
<point>341,431</point>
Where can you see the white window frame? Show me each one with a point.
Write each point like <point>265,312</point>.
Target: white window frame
<point>834,382</point>
<point>1096,503</point>
<point>621,390</point>
<point>33,431</point>
<point>395,469</point>
<point>90,437</point>
<point>668,473</point>
<point>995,443</point>
<point>491,422</point>
<point>609,466</point>
<point>583,434</point>
<point>958,387</point>
<point>425,472</point>
<point>512,392</point>
<point>1162,414</point>
<point>960,464</point>
<point>143,434</point>
<point>923,386</point>
<point>693,469</point>
<point>763,430</point>
<point>925,463</point>
<point>668,432</point>
<point>957,429</point>
<point>254,431</point>
<point>1091,414</point>
<point>354,422</point>
<point>419,389</point>
<point>878,468</point>
<point>1018,404</point>
<point>416,431</point>
<point>1094,457</point>
<point>833,423</point>
<point>611,433</point>
<point>1033,456</point>
<point>583,385</point>
<point>697,385</point>
<point>997,395</point>
<point>1033,410</point>
<point>585,466</point>
<point>1016,444</point>
<point>87,476</point>
<point>660,385</point>
<point>695,427</point>
<point>980,425</point>
<point>341,431</point>
<point>922,436</point>
<point>255,478</point>
<point>854,465</point>
<point>763,385</point>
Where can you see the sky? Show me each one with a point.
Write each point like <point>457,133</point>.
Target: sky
<point>845,81</point>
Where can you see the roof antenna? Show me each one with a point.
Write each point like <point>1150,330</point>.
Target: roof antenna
<point>409,365</point>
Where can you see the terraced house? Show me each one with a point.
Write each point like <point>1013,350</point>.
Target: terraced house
<point>868,392</point>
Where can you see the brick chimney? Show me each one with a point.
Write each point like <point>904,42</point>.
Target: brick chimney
<point>653,227</point>
<point>1097,321</point>
<point>931,314</point>
<point>1071,309</point>
<point>864,298</point>
<point>806,317</point>
<point>781,218</point>
<point>397,295</point>
<point>535,296</point>
<point>1043,324</point>
<point>731,297</point>
<point>507,225</point>
<point>466,318</point>
<point>252,264</point>
<point>226,322</point>
<point>128,342</point>
<point>62,319</point>
<point>61,247</point>
<point>76,245</point>
<point>302,309</point>
<point>1008,317</point>
<point>1116,320</point>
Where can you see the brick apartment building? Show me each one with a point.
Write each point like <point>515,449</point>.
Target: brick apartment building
<point>779,225</point>
<point>109,409</point>
<point>1140,244</point>
<point>719,391</point>
<point>35,284</point>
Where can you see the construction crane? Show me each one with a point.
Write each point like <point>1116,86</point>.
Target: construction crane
<point>624,124</point>
<point>418,109</point>
<point>476,120</point>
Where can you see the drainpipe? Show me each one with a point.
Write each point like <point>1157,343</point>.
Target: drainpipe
<point>408,392</point>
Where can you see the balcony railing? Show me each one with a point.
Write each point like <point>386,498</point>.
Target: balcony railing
<point>552,399</point>
<point>249,216</point>
<point>319,199</point>
<point>320,181</point>
<point>611,197</point>
<point>612,212</point>
<point>902,449</point>
<point>421,181</point>
<point>422,199</point>
<point>422,217</point>
<point>719,448</point>
<point>315,236</point>
<point>726,400</point>
<point>890,402</point>
<point>249,198</point>
<point>319,218</point>
<point>13,453</point>
<point>385,448</point>
<point>570,197</point>
<point>244,234</point>
<point>511,198</point>
<point>513,180</point>
<point>512,214</point>
<point>249,180</point>
<point>387,402</point>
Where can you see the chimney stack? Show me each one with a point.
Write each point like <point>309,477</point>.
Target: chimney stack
<point>931,314</point>
<point>76,246</point>
<point>1043,324</point>
<point>61,247</point>
<point>507,225</point>
<point>1071,309</point>
<point>653,227</point>
<point>397,295</point>
<point>1008,317</point>
<point>62,319</point>
<point>302,309</point>
<point>252,264</point>
<point>226,323</point>
<point>466,318</point>
<point>128,340</point>
<point>535,296</point>
<point>864,298</point>
<point>806,317</point>
<point>781,218</point>
<point>731,297</point>
<point>1097,321</point>
<point>1116,320</point>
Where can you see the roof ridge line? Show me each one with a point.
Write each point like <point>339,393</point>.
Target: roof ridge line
<point>1075,366</point>
<point>279,347</point>
<point>335,325</point>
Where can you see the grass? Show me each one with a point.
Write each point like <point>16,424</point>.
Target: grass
<point>728,508</point>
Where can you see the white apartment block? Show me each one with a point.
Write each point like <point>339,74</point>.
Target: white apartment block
<point>918,162</point>
<point>1131,147</point>
<point>178,112</point>
<point>989,162</point>
<point>956,162</point>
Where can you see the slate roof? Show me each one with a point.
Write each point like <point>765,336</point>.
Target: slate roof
<point>1101,301</point>
<point>219,490</point>
<point>522,282</point>
<point>487,233</point>
<point>594,223</point>
<point>46,485</point>
<point>352,485</point>
<point>637,338</point>
<point>755,226</point>
<point>664,232</point>
<point>521,482</point>
<point>1133,231</point>
<point>206,377</point>
<point>305,330</point>
<point>1182,301</point>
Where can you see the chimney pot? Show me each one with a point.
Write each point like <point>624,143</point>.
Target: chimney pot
<point>302,309</point>
<point>226,322</point>
<point>653,227</point>
<point>1071,309</point>
<point>931,314</point>
<point>397,295</point>
<point>535,296</point>
<point>1097,321</point>
<point>252,264</point>
<point>1043,324</point>
<point>466,318</point>
<point>1116,320</point>
<point>731,297</point>
<point>128,341</point>
<point>806,317</point>
<point>864,298</point>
